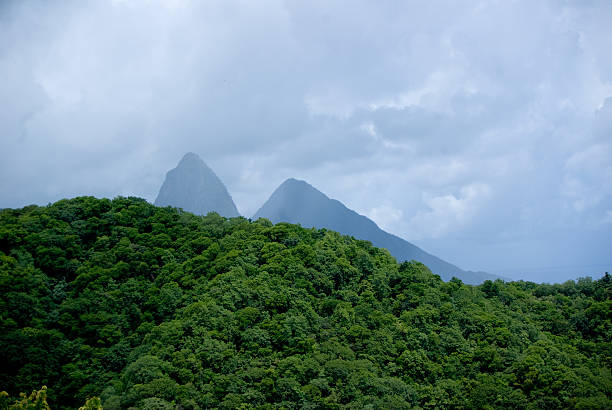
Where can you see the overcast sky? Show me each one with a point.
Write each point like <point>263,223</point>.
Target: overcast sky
<point>479,130</point>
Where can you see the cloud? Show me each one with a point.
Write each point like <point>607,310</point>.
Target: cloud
<point>447,212</point>
<point>386,216</point>
<point>466,126</point>
<point>589,176</point>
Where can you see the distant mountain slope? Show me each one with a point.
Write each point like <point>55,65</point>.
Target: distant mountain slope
<point>193,186</point>
<point>296,201</point>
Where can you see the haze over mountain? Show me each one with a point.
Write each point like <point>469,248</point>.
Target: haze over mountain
<point>296,201</point>
<point>193,186</point>
<point>99,97</point>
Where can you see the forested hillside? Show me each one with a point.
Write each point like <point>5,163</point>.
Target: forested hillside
<point>151,307</point>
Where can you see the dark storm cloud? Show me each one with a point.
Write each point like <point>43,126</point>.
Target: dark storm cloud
<point>482,130</point>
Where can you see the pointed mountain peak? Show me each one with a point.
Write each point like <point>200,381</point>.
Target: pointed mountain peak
<point>294,181</point>
<point>191,158</point>
<point>297,201</point>
<point>299,188</point>
<point>193,186</point>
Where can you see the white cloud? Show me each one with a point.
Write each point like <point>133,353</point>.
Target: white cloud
<point>386,217</point>
<point>447,213</point>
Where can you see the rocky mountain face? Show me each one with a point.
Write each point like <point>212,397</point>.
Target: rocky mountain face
<point>193,186</point>
<point>296,201</point>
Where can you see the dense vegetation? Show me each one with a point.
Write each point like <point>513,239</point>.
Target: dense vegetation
<point>152,307</point>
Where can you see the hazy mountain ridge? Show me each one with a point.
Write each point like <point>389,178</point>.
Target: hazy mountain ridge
<point>296,201</point>
<point>193,186</point>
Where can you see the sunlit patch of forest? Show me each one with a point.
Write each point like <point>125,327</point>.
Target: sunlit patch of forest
<point>149,307</point>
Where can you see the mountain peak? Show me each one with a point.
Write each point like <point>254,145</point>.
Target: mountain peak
<point>297,187</point>
<point>191,158</point>
<point>193,186</point>
<point>295,181</point>
<point>294,201</point>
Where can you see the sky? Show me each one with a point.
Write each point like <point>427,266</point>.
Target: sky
<point>478,130</point>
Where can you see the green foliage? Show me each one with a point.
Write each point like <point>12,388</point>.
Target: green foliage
<point>37,400</point>
<point>93,403</point>
<point>155,308</point>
